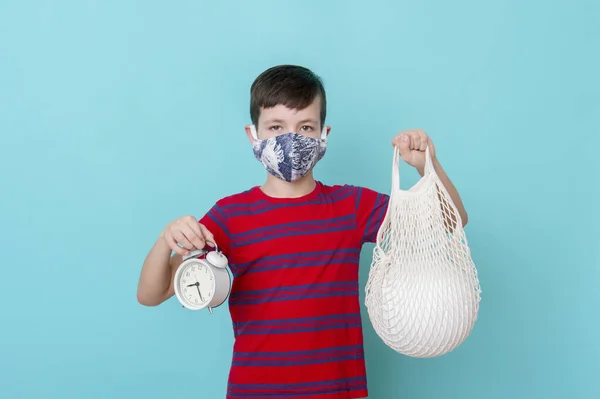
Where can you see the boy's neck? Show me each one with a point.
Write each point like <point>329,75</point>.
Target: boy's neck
<point>278,188</point>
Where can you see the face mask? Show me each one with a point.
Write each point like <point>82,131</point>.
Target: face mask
<point>289,156</point>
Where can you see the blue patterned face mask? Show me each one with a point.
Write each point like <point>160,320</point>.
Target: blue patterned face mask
<point>289,156</point>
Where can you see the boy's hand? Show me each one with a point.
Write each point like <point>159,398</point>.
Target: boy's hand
<point>412,144</point>
<point>186,234</point>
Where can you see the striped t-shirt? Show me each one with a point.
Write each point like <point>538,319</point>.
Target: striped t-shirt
<point>295,297</point>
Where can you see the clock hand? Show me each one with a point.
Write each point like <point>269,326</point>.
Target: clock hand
<point>199,294</point>
<point>191,285</point>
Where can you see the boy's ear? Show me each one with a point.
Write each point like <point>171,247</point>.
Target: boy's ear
<point>249,133</point>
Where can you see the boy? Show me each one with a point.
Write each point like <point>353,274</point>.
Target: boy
<point>293,246</point>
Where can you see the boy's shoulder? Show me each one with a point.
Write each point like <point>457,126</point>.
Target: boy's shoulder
<point>350,189</point>
<point>238,197</point>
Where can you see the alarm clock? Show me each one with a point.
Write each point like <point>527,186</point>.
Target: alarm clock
<point>202,280</point>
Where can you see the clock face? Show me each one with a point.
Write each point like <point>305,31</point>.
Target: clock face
<point>197,284</point>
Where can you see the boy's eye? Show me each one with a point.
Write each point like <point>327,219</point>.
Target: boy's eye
<point>306,128</point>
<point>275,128</point>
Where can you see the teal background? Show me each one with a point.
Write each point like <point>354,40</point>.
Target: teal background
<point>118,116</point>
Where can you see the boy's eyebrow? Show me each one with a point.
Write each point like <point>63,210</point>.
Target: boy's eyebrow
<point>269,121</point>
<point>308,120</point>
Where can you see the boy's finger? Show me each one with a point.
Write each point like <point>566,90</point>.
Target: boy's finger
<point>195,226</point>
<point>181,239</point>
<point>424,140</point>
<point>404,144</point>
<point>208,237</point>
<point>176,248</point>
<point>193,237</point>
<point>415,143</point>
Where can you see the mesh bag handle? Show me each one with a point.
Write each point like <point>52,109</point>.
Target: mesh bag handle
<point>396,189</point>
<point>429,169</point>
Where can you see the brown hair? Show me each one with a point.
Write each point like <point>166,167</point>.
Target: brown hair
<point>293,86</point>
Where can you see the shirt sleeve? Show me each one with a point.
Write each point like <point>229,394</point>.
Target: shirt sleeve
<point>371,208</point>
<point>215,221</point>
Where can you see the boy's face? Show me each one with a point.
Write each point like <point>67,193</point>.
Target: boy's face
<point>280,119</point>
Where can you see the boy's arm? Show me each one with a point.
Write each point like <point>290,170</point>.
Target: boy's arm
<point>454,195</point>
<point>156,279</point>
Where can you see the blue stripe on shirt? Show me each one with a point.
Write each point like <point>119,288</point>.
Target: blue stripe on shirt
<point>299,389</point>
<point>298,325</point>
<point>291,293</point>
<point>303,259</point>
<point>293,229</point>
<point>298,358</point>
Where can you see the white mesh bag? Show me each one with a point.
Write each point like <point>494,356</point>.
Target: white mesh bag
<point>422,293</point>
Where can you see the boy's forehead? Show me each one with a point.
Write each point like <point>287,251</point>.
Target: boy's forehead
<point>281,113</point>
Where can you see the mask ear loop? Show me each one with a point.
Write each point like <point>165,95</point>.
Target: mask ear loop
<point>324,133</point>
<point>253,132</point>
